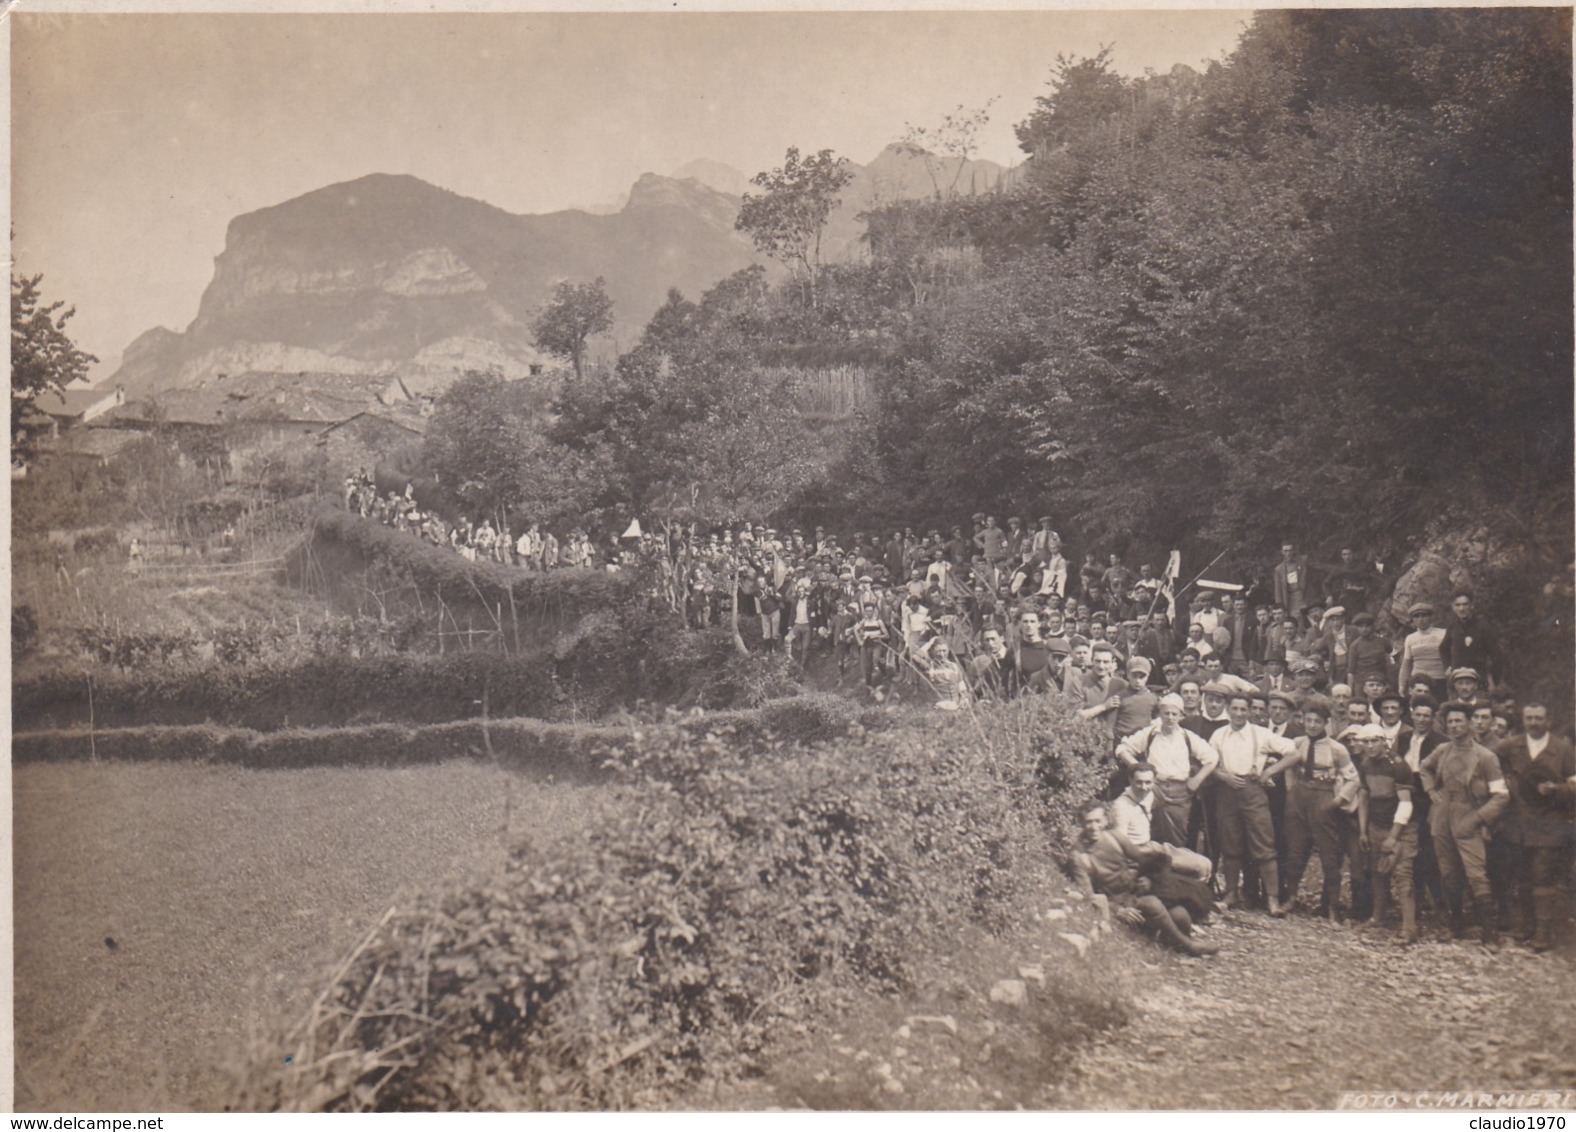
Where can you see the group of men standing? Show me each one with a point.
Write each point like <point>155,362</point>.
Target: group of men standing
<point>1467,806</point>
<point>1424,811</point>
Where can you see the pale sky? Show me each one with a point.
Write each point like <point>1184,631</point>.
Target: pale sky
<point>136,138</point>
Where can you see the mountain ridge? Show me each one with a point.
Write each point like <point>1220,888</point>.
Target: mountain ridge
<point>389,274</point>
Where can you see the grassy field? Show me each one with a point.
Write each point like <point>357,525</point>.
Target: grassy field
<point>165,914</point>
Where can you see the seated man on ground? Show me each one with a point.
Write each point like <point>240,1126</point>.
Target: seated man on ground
<point>1106,863</point>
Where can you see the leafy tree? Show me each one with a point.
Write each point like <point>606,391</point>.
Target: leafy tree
<point>786,221</point>
<point>675,321</point>
<point>690,424</point>
<point>953,143</point>
<point>575,313</point>
<point>1084,94</point>
<point>43,356</point>
<point>478,438</point>
<point>1323,288</point>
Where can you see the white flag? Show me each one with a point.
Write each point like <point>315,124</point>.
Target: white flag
<point>1174,565</point>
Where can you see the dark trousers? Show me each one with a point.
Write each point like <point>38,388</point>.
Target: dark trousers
<point>868,668</point>
<point>1504,861</point>
<point>1173,814</point>
<point>1203,836</point>
<point>1425,874</point>
<point>1245,831</point>
<point>1316,824</point>
<point>1526,872</point>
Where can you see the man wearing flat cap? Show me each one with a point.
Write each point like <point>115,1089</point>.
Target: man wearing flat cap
<point>1466,687</point>
<point>1422,652</point>
<point>1320,772</point>
<point>1139,703</point>
<point>1334,639</point>
<point>1467,786</point>
<point>1213,715</point>
<point>1306,677</point>
<point>1366,654</point>
<point>1387,832</point>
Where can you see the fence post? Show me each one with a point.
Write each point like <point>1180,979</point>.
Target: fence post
<point>92,742</point>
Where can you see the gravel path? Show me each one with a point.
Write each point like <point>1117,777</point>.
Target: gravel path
<point>1292,1012</point>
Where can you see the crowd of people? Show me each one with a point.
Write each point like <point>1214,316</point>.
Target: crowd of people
<point>477,541</point>
<point>1254,726</point>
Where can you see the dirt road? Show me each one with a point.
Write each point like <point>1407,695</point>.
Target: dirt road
<point>1292,1012</point>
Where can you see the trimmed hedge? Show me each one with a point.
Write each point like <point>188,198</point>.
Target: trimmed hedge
<point>313,692</point>
<point>603,663</point>
<point>562,750</point>
<point>574,750</point>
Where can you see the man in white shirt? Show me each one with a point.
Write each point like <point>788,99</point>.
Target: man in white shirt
<point>1181,762</point>
<point>1242,809</point>
<point>1132,817</point>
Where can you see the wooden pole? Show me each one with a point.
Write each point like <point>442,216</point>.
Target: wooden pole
<point>92,742</point>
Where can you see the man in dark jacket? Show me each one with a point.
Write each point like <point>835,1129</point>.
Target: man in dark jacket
<point>1470,642</point>
<point>1537,827</point>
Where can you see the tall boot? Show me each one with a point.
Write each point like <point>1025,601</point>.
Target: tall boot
<point>1408,902</point>
<point>1487,919</point>
<point>1270,872</point>
<point>1330,898</point>
<point>1458,924</point>
<point>1546,910</point>
<point>1171,934</point>
<point>1527,914</point>
<point>1231,870</point>
<point>1381,901</point>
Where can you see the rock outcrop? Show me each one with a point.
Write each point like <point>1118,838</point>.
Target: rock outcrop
<point>388,274</point>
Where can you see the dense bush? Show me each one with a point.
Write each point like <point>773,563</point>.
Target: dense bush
<point>729,877</point>
<point>97,541</point>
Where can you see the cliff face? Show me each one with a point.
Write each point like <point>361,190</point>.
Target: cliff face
<point>388,274</point>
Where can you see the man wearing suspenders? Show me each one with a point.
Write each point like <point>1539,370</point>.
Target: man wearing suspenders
<point>1182,762</point>
<point>1314,818</point>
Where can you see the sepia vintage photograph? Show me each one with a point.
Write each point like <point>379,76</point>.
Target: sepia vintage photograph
<point>685,560</point>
